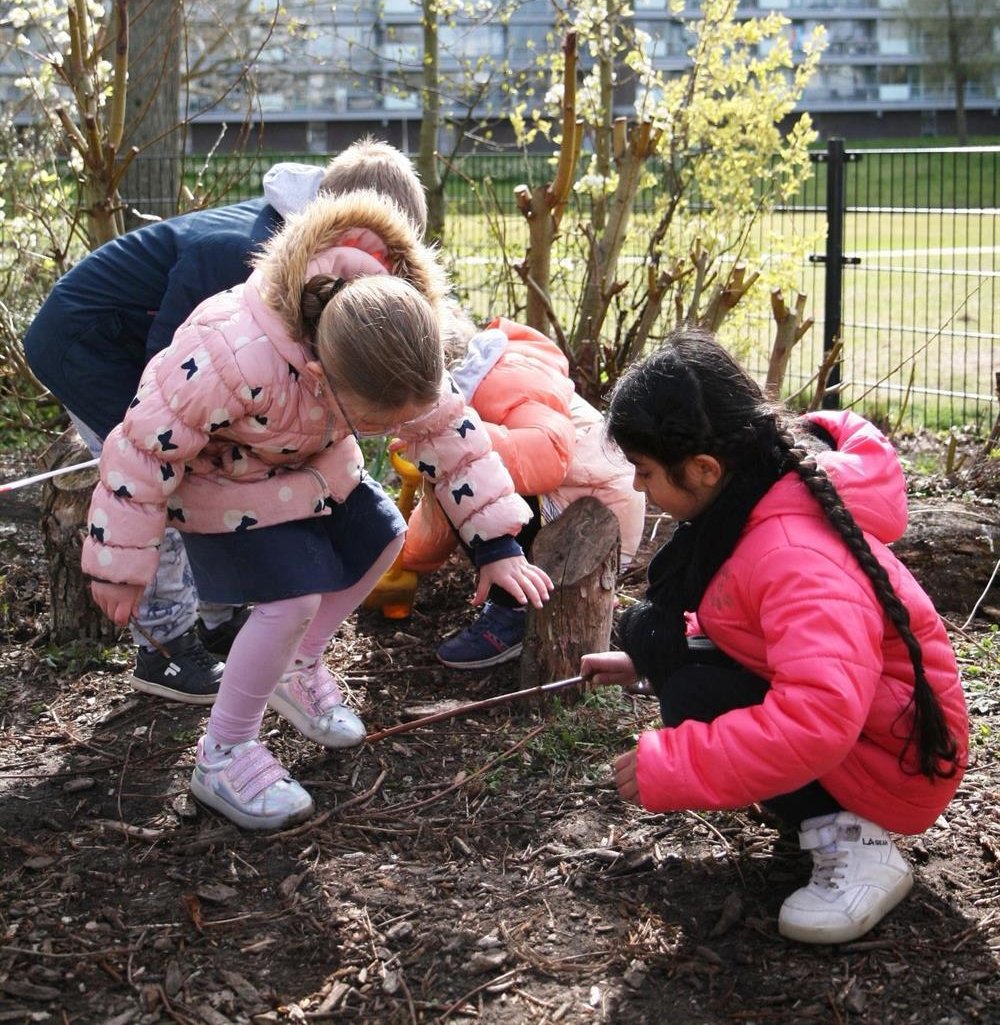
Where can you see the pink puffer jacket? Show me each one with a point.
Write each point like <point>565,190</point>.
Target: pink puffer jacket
<point>792,605</point>
<point>229,430</point>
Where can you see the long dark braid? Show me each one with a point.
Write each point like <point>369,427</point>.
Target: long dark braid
<point>692,397</point>
<point>935,744</point>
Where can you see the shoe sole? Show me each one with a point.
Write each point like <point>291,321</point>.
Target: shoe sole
<point>290,713</point>
<point>212,800</point>
<point>854,930</point>
<point>514,651</point>
<point>162,691</point>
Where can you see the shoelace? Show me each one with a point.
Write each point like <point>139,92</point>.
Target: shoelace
<point>827,868</point>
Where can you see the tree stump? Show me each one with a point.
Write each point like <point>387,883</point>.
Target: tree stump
<point>579,551</point>
<point>952,547</point>
<point>73,616</point>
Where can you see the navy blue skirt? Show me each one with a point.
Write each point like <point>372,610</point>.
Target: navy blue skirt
<point>325,553</point>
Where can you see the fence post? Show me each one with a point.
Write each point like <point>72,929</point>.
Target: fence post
<point>833,258</point>
<point>834,294</point>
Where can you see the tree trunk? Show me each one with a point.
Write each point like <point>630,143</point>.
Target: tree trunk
<point>151,184</point>
<point>579,551</point>
<point>73,615</point>
<point>537,267</point>
<point>791,324</point>
<point>431,122</point>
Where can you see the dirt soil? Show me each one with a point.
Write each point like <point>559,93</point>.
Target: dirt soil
<point>477,870</point>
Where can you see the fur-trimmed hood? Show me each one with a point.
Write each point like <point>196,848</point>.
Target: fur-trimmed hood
<point>363,220</point>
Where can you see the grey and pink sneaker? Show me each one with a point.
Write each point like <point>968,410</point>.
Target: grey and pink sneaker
<point>309,697</point>
<point>246,784</point>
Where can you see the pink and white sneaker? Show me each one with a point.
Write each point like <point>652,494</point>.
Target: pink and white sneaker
<point>310,699</point>
<point>248,785</point>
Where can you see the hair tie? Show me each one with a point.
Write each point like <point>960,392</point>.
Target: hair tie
<point>316,294</point>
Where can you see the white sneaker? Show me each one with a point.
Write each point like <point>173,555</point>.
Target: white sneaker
<point>248,785</point>
<point>309,698</point>
<point>858,877</point>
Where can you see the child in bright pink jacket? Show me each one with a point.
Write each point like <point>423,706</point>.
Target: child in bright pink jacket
<point>821,681</point>
<point>243,435</point>
<point>551,441</point>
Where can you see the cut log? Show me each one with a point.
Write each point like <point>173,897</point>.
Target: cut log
<point>580,552</point>
<point>73,616</point>
<point>952,548</point>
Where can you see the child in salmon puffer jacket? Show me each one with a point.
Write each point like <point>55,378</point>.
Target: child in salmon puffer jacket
<point>551,441</point>
<point>797,662</point>
<point>244,436</point>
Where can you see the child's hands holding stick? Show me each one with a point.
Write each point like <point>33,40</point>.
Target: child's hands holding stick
<point>608,667</point>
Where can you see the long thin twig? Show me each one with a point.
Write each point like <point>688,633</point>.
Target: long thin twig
<point>473,706</point>
<point>395,810</point>
<point>152,640</point>
<point>318,820</point>
<point>478,989</point>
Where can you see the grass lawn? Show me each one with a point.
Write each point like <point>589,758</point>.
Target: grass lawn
<point>923,299</point>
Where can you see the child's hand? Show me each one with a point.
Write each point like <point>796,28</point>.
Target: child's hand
<point>625,778</point>
<point>518,577</point>
<point>117,601</point>
<point>603,667</point>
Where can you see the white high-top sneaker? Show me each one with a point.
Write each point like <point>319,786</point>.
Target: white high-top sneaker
<point>858,877</point>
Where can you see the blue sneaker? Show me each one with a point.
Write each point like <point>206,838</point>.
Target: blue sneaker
<point>493,638</point>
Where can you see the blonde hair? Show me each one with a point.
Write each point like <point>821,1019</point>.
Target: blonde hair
<point>375,165</point>
<point>376,336</point>
<point>457,329</point>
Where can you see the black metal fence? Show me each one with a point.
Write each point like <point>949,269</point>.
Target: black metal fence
<point>908,279</point>
<point>903,271</point>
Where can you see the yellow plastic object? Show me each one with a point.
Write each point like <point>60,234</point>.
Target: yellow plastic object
<point>394,592</point>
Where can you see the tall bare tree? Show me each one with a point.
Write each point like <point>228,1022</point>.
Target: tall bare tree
<point>441,51</point>
<point>961,39</point>
<point>151,183</point>
<point>430,122</point>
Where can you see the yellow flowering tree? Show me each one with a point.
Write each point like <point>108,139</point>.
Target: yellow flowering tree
<point>713,149</point>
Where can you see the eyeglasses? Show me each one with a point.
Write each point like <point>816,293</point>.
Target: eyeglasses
<point>350,423</point>
<point>382,432</point>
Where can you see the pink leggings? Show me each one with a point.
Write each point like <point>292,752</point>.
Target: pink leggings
<point>275,634</point>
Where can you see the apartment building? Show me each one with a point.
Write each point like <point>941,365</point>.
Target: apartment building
<point>355,67</point>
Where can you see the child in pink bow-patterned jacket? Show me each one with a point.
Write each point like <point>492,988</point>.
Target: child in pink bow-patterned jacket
<point>243,435</point>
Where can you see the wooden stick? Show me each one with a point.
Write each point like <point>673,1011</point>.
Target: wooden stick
<point>153,642</point>
<point>473,706</point>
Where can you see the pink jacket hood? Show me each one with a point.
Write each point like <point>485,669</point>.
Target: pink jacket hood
<point>793,606</point>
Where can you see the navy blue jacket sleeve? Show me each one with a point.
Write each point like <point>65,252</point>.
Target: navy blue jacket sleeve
<point>210,265</point>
